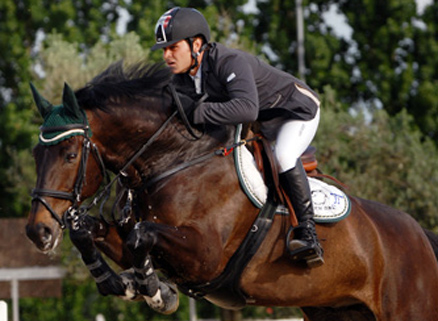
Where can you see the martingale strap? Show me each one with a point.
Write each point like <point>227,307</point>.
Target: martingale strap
<point>225,288</point>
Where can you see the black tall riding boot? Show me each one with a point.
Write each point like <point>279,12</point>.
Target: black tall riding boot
<point>305,245</point>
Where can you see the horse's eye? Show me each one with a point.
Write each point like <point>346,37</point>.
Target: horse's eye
<point>71,157</point>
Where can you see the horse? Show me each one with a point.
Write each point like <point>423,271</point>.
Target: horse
<point>189,215</point>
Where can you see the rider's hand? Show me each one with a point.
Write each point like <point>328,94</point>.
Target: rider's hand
<point>188,104</point>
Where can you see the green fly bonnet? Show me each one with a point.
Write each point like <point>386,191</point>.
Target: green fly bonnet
<point>61,121</point>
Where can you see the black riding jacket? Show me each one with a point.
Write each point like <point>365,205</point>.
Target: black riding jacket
<point>242,88</point>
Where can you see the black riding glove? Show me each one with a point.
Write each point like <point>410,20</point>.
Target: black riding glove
<point>188,104</point>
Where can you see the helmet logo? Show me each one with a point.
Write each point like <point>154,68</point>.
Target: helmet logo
<point>160,30</point>
<point>162,24</point>
<point>166,21</point>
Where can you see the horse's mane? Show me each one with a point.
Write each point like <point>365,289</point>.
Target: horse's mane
<point>119,81</point>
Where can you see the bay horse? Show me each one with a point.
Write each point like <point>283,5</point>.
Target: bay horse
<point>190,214</point>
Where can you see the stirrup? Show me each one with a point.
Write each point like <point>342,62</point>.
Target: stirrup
<point>311,253</point>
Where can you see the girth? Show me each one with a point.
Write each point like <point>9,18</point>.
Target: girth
<point>225,289</point>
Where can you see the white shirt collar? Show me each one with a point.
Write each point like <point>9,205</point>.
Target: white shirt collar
<point>197,80</point>
<point>198,73</point>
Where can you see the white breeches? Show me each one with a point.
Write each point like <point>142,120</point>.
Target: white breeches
<point>293,139</point>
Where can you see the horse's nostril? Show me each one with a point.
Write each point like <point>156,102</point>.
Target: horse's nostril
<point>45,234</point>
<point>39,234</point>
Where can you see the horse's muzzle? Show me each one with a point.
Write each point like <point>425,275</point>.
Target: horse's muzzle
<point>42,236</point>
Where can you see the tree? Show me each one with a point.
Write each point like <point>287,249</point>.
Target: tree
<point>423,102</point>
<point>391,60</point>
<point>382,158</point>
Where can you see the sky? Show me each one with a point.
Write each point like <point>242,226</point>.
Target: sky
<point>421,4</point>
<point>339,22</point>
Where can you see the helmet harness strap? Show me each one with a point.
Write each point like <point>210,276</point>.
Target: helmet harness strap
<point>195,54</point>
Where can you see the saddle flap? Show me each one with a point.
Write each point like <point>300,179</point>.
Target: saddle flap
<point>266,163</point>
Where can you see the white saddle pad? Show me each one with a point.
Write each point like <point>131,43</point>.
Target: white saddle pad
<point>330,203</point>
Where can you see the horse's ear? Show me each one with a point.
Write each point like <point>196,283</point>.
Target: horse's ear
<point>71,104</point>
<point>44,107</point>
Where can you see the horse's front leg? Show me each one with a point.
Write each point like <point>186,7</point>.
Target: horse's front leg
<point>161,295</point>
<point>108,282</point>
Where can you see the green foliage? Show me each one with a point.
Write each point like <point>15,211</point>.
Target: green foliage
<point>423,103</point>
<point>17,133</point>
<point>63,61</point>
<point>392,58</point>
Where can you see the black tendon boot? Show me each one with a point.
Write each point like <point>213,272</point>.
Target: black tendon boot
<point>305,245</point>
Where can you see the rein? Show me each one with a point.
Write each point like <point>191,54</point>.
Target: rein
<point>189,128</point>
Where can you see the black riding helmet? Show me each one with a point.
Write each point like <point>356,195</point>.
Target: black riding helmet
<point>181,24</point>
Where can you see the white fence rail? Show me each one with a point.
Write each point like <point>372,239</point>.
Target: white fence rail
<point>14,275</point>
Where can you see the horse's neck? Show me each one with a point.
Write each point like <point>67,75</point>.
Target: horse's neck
<point>176,147</point>
<point>210,186</point>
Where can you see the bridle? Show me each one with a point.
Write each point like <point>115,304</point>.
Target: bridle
<point>39,194</point>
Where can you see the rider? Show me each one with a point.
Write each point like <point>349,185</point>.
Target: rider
<point>242,89</point>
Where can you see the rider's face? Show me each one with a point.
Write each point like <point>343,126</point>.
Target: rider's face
<point>178,57</point>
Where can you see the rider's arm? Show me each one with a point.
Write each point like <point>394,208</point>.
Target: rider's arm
<point>235,74</point>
